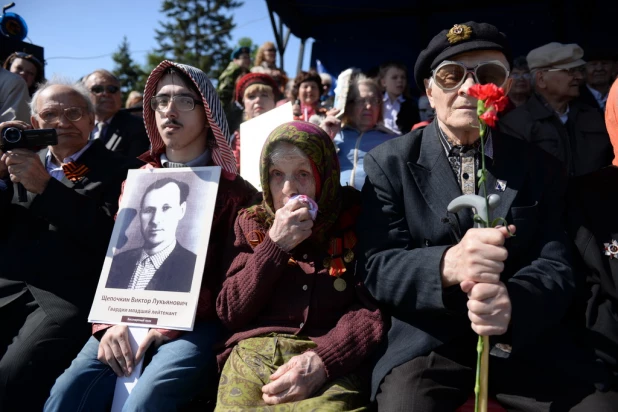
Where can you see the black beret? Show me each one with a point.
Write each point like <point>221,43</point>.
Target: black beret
<point>459,39</point>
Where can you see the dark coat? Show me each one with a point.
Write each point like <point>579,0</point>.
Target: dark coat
<point>593,222</point>
<point>174,275</point>
<point>54,245</point>
<point>405,230</point>
<point>126,134</point>
<point>582,144</point>
<point>587,98</point>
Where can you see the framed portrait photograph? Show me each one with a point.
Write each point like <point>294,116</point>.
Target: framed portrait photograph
<point>153,269</point>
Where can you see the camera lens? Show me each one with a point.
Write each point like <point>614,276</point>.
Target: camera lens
<point>11,134</point>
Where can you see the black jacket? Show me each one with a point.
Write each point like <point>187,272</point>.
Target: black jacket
<point>405,229</point>
<point>54,245</point>
<point>582,144</point>
<point>174,275</point>
<point>592,223</point>
<point>126,134</point>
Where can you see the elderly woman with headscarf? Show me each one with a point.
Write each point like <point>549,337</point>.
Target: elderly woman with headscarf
<point>256,93</point>
<point>362,129</point>
<point>593,224</point>
<point>301,323</point>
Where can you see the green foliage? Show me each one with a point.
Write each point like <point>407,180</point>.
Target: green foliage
<point>131,75</point>
<point>196,33</point>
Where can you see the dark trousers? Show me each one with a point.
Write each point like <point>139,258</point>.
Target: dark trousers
<point>443,380</point>
<point>34,351</point>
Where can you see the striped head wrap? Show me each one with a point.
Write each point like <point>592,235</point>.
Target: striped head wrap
<point>222,154</point>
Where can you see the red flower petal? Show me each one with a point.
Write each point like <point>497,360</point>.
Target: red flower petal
<point>490,117</point>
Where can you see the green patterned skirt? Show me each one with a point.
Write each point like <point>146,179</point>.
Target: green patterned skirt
<point>253,360</point>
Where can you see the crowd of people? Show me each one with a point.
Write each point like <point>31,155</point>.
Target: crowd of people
<point>346,284</point>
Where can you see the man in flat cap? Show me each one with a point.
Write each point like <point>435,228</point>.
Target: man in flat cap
<point>570,130</point>
<point>443,281</point>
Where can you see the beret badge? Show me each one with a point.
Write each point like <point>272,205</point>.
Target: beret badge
<point>458,33</point>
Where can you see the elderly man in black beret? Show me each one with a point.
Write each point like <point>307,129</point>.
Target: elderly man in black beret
<point>442,281</point>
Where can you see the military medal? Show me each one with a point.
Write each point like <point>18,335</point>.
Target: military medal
<point>340,284</point>
<point>349,256</point>
<point>611,249</point>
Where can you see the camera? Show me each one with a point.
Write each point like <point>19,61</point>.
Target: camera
<point>14,138</point>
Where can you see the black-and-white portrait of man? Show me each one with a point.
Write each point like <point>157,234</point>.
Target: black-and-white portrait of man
<point>162,263</point>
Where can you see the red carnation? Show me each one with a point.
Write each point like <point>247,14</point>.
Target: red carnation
<point>490,117</point>
<point>486,92</point>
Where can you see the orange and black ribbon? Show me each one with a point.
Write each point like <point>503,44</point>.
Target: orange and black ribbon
<point>74,171</point>
<point>335,250</point>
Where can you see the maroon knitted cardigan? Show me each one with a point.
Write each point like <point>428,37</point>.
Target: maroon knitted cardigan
<point>233,193</point>
<point>265,292</point>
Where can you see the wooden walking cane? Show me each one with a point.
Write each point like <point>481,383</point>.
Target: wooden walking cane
<point>483,208</point>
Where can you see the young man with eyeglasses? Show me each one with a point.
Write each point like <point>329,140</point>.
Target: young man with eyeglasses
<point>118,129</point>
<point>52,246</point>
<point>554,119</point>
<point>187,128</point>
<point>443,281</point>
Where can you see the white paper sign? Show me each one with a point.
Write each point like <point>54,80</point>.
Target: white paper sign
<point>253,134</point>
<point>125,384</point>
<point>153,270</point>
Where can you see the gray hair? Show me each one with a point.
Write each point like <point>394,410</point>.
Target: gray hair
<point>78,87</point>
<point>282,150</point>
<point>354,92</point>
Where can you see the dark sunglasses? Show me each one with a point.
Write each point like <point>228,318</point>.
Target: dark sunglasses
<point>450,75</point>
<point>111,89</point>
<point>271,50</point>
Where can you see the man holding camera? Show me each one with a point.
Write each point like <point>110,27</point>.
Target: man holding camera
<point>53,243</point>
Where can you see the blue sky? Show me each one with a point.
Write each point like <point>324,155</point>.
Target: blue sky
<point>82,29</point>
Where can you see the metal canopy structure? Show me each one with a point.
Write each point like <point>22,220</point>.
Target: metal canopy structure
<point>364,33</point>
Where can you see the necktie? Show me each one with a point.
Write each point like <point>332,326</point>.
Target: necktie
<point>98,130</point>
<point>74,172</point>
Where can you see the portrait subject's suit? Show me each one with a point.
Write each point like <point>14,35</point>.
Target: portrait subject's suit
<point>174,275</point>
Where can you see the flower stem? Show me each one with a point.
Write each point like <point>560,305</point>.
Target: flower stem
<point>477,384</point>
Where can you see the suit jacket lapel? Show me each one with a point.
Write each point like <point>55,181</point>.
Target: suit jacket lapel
<point>435,178</point>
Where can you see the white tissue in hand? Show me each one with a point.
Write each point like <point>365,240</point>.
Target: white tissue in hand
<point>311,204</point>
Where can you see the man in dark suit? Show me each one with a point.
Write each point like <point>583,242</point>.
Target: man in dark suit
<point>53,245</point>
<point>161,263</point>
<point>118,129</point>
<point>443,281</point>
<point>598,77</point>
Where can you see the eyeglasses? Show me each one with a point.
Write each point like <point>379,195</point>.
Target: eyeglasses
<point>374,101</point>
<point>183,103</point>
<point>73,114</point>
<point>573,71</point>
<point>111,89</point>
<point>521,76</point>
<point>449,75</point>
<point>271,50</point>
<point>28,56</point>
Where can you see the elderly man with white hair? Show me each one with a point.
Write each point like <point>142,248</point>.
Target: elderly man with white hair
<point>554,119</point>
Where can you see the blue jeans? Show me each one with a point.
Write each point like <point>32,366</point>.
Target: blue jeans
<point>178,371</point>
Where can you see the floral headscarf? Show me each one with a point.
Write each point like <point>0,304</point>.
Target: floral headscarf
<point>611,118</point>
<point>318,146</point>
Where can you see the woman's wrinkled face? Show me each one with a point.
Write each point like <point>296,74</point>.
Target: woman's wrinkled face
<point>308,92</point>
<point>290,174</point>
